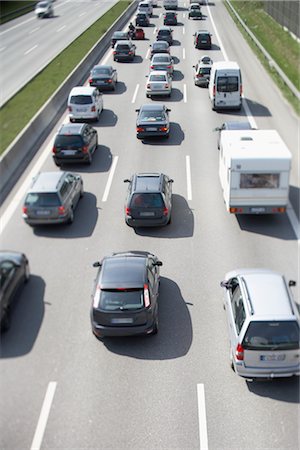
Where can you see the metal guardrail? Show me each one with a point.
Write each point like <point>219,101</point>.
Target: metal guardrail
<point>16,11</point>
<point>271,61</point>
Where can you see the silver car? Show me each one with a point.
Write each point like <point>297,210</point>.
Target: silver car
<point>202,71</point>
<point>159,83</point>
<point>162,61</point>
<point>263,323</point>
<point>52,198</point>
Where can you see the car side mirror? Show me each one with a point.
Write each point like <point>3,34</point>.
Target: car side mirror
<point>137,110</point>
<point>97,264</point>
<point>126,180</point>
<point>292,283</point>
<point>217,129</point>
<point>158,263</point>
<point>168,110</point>
<point>225,284</point>
<point>171,180</point>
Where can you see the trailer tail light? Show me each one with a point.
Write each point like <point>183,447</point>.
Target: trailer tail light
<point>239,353</point>
<point>281,209</point>
<point>235,210</point>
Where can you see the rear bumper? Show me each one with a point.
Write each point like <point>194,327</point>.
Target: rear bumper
<point>147,222</point>
<point>270,373</point>
<point>152,134</point>
<point>201,82</point>
<point>102,86</point>
<point>102,331</point>
<point>158,92</point>
<point>257,209</point>
<point>72,159</point>
<point>85,116</point>
<point>123,58</point>
<point>44,221</point>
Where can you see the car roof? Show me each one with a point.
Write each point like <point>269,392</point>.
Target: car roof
<point>82,90</point>
<point>164,28</point>
<point>46,182</point>
<point>147,182</point>
<point>165,55</point>
<point>71,128</point>
<point>102,66</point>
<point>124,42</point>
<point>236,125</point>
<point>161,44</point>
<point>158,72</point>
<point>152,107</point>
<point>127,270</point>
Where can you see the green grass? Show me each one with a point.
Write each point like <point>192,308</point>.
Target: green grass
<point>11,7</point>
<point>279,44</point>
<point>19,110</point>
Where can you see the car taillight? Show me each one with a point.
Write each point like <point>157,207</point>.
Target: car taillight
<point>54,150</point>
<point>151,67</point>
<point>85,149</point>
<point>241,89</point>
<point>91,80</point>
<point>239,353</point>
<point>130,53</point>
<point>166,211</point>
<point>114,52</point>
<point>169,67</point>
<point>146,296</point>
<point>24,209</point>
<point>61,210</point>
<point>199,75</point>
<point>93,108</point>
<point>127,211</point>
<point>109,81</point>
<point>139,129</point>
<point>70,108</point>
<point>163,129</point>
<point>148,86</point>
<point>214,90</point>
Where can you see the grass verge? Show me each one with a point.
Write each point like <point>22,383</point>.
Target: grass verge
<point>279,44</point>
<point>20,109</point>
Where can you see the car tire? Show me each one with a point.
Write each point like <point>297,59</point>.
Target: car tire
<point>57,163</point>
<point>71,217</point>
<point>170,220</point>
<point>148,95</point>
<point>27,273</point>
<point>167,136</point>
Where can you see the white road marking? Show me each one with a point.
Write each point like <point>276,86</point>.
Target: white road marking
<point>110,178</point>
<point>2,48</point>
<point>160,14</point>
<point>41,426</point>
<point>30,50</point>
<point>188,177</point>
<point>202,417</point>
<point>217,35</point>
<point>34,29</point>
<point>135,93</point>
<point>61,28</point>
<point>154,31</point>
<point>183,53</point>
<point>248,113</point>
<point>183,30</point>
<point>183,15</point>
<point>184,93</point>
<point>148,53</point>
<point>83,14</point>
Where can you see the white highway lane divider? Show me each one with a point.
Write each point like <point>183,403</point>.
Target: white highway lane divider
<point>34,30</point>
<point>135,93</point>
<point>188,177</point>
<point>183,53</point>
<point>61,28</point>
<point>30,50</point>
<point>202,417</point>
<point>43,419</point>
<point>110,178</point>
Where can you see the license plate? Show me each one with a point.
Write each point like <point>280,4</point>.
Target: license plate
<point>280,357</point>
<point>69,152</point>
<point>203,42</point>
<point>147,214</point>
<point>81,109</point>
<point>122,320</point>
<point>151,129</point>
<point>157,86</point>
<point>258,209</point>
<point>43,212</point>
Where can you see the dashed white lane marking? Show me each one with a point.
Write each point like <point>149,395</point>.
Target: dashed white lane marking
<point>183,30</point>
<point>154,31</point>
<point>33,30</point>
<point>202,417</point>
<point>188,177</point>
<point>82,14</point>
<point>135,93</point>
<point>183,15</point>
<point>183,53</point>
<point>45,411</point>
<point>61,28</point>
<point>148,53</point>
<point>110,178</point>
<point>30,50</point>
<point>184,93</point>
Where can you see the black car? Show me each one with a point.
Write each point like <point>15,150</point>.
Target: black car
<point>74,142</point>
<point>142,20</point>
<point>202,39</point>
<point>14,271</point>
<point>195,11</point>
<point>165,34</point>
<point>149,200</point>
<point>170,18</point>
<point>125,295</point>
<point>124,51</point>
<point>103,77</point>
<point>159,47</point>
<point>232,125</point>
<point>152,121</point>
<point>119,36</point>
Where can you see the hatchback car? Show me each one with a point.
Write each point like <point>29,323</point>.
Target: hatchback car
<point>44,9</point>
<point>202,71</point>
<point>52,198</point>
<point>195,11</point>
<point>14,271</point>
<point>149,200</point>
<point>142,20</point>
<point>159,47</point>
<point>103,77</point>
<point>165,34</point>
<point>125,295</point>
<point>145,7</point>
<point>74,143</point>
<point>159,83</point>
<point>124,51</point>
<point>85,103</point>
<point>232,125</point>
<point>170,18</point>
<point>202,39</point>
<point>152,121</point>
<point>162,61</point>
<point>263,323</point>
<point>119,36</point>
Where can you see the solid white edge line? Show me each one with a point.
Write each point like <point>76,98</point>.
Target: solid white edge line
<point>135,93</point>
<point>110,178</point>
<point>30,50</point>
<point>248,113</point>
<point>154,31</point>
<point>188,177</point>
<point>184,93</point>
<point>183,53</point>
<point>202,417</point>
<point>217,34</point>
<point>45,411</point>
<point>183,15</point>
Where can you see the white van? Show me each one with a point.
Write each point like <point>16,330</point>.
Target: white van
<point>254,171</point>
<point>225,85</point>
<point>85,103</point>
<point>170,4</point>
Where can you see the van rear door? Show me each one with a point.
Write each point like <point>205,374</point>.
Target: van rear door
<point>228,90</point>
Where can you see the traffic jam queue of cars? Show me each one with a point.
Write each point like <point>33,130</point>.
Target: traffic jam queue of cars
<point>254,169</point>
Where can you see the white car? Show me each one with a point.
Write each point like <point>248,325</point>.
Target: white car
<point>44,9</point>
<point>85,103</point>
<point>145,7</point>
<point>159,83</point>
<point>154,3</point>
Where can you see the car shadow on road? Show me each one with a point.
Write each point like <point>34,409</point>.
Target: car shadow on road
<point>101,162</point>
<point>176,137</point>
<point>177,75</point>
<point>257,109</point>
<point>175,43</point>
<point>107,118</point>
<point>175,334</point>
<point>137,60</point>
<point>273,225</point>
<point>120,89</point>
<point>176,96</point>
<point>26,319</point>
<point>85,219</point>
<point>181,226</point>
<point>281,389</point>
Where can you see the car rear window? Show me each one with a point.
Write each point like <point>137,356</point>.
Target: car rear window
<point>272,335</point>
<point>101,71</point>
<point>81,99</point>
<point>161,59</point>
<point>157,78</point>
<point>204,70</point>
<point>147,200</point>
<point>227,84</point>
<point>122,47</point>
<point>119,299</point>
<point>259,180</point>
<point>42,199</point>
<point>152,116</point>
<point>62,141</point>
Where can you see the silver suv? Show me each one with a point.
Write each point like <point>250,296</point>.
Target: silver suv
<point>52,198</point>
<point>263,323</point>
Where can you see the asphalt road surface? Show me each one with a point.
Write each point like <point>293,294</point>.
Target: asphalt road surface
<point>63,389</point>
<point>28,44</point>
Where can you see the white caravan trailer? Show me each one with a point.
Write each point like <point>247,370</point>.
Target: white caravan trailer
<point>225,85</point>
<point>254,170</point>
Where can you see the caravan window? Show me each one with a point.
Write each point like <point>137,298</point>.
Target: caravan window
<point>227,84</point>
<point>259,181</point>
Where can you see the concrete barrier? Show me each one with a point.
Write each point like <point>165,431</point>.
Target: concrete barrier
<point>20,152</point>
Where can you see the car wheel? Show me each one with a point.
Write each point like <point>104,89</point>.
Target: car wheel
<point>71,217</point>
<point>155,326</point>
<point>5,323</point>
<point>98,116</point>
<point>170,220</point>
<point>147,95</point>
<point>57,163</point>
<point>167,136</point>
<point>81,191</point>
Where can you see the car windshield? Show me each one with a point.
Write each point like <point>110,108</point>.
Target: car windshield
<point>101,71</point>
<point>81,99</point>
<point>62,141</point>
<point>227,84</point>
<point>121,299</point>
<point>147,200</point>
<point>272,335</point>
<point>42,199</point>
<point>42,4</point>
<point>157,78</point>
<point>160,59</point>
<point>152,116</point>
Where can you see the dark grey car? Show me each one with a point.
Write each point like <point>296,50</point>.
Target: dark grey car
<point>149,200</point>
<point>125,295</point>
<point>103,77</point>
<point>124,51</point>
<point>152,121</point>
<point>165,34</point>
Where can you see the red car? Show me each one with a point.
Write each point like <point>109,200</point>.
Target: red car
<point>139,34</point>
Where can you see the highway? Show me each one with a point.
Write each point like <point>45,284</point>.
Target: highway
<point>61,388</point>
<point>28,44</point>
